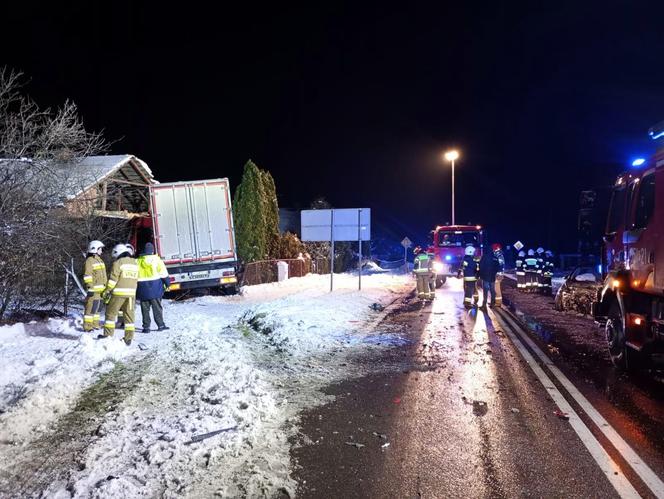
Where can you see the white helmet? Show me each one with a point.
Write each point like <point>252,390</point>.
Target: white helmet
<point>95,247</point>
<point>531,252</point>
<point>131,249</point>
<point>540,250</point>
<point>470,251</point>
<point>119,249</point>
<point>522,253</point>
<point>548,253</point>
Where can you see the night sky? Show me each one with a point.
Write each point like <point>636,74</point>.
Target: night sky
<point>357,103</point>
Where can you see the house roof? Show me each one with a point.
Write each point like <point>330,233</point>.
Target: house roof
<point>83,174</point>
<point>126,176</point>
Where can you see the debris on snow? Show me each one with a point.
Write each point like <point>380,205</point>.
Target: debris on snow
<point>198,438</point>
<point>357,445</point>
<point>480,408</point>
<point>561,415</point>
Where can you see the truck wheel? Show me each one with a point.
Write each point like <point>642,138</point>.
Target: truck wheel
<point>615,337</point>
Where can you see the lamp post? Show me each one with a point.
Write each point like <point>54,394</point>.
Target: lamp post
<point>451,156</point>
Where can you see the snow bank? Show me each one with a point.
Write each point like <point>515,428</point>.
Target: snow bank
<point>45,367</point>
<point>244,364</point>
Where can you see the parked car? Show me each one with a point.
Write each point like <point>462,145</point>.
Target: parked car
<point>578,291</point>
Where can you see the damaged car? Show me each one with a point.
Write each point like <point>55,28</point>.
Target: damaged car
<point>578,291</point>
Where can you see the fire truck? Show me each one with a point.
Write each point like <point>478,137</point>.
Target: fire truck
<point>630,303</point>
<point>448,244</point>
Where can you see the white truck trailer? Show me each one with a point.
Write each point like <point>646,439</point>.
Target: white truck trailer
<point>192,228</point>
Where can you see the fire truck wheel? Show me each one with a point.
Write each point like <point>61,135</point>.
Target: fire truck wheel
<point>615,337</point>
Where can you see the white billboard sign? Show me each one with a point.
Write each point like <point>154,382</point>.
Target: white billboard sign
<point>350,224</point>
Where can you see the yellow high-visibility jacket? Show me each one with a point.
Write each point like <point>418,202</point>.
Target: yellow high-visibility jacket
<point>124,277</point>
<point>94,274</point>
<point>152,277</point>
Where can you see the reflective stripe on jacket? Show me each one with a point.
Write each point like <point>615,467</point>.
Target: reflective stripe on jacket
<point>152,277</point>
<point>124,277</point>
<point>94,274</point>
<point>531,263</point>
<point>470,268</point>
<point>423,264</point>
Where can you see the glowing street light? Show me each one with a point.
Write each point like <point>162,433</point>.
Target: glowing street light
<point>451,156</point>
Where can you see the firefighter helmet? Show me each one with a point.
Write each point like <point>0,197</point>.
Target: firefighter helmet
<point>119,249</point>
<point>470,250</point>
<point>531,252</point>
<point>496,247</point>
<point>522,253</point>
<point>95,247</point>
<point>540,250</point>
<point>548,253</point>
<point>131,249</point>
<point>417,250</point>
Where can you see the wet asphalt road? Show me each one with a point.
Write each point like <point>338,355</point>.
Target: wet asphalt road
<point>463,414</point>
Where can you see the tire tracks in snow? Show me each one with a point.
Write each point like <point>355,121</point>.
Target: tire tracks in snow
<point>47,459</point>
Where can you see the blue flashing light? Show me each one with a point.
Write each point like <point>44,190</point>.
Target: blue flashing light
<point>638,162</point>
<point>448,258</point>
<point>599,269</point>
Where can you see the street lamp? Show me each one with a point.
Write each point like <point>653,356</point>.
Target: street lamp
<point>451,156</point>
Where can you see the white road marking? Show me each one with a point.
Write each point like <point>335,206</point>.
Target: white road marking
<point>644,471</point>
<point>608,466</point>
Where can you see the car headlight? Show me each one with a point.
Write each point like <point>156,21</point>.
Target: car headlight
<point>438,267</point>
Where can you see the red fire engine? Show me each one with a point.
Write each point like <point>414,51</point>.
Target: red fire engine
<point>630,304</point>
<point>448,246</point>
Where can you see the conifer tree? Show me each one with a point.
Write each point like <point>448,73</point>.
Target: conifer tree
<point>249,215</point>
<point>271,213</point>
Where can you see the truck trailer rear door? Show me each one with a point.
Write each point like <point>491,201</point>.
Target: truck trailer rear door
<point>192,221</point>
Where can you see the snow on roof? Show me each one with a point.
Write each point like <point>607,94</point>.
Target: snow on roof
<point>83,174</point>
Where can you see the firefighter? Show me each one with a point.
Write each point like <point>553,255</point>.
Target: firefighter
<point>152,282</point>
<point>520,264</point>
<point>119,323</point>
<point>470,270</point>
<point>498,252</point>
<point>531,266</point>
<point>120,293</point>
<point>547,272</point>
<point>540,270</point>
<point>423,270</point>
<point>94,278</point>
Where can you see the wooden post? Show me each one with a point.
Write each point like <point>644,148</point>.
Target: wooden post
<point>104,193</point>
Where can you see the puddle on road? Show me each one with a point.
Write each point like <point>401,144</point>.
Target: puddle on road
<point>546,335</point>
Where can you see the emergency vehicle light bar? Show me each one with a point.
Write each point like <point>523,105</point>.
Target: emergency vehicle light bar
<point>656,131</point>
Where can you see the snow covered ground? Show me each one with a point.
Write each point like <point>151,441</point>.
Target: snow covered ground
<point>94,418</point>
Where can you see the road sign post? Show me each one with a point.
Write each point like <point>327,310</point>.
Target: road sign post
<point>359,248</point>
<point>406,243</point>
<point>337,225</point>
